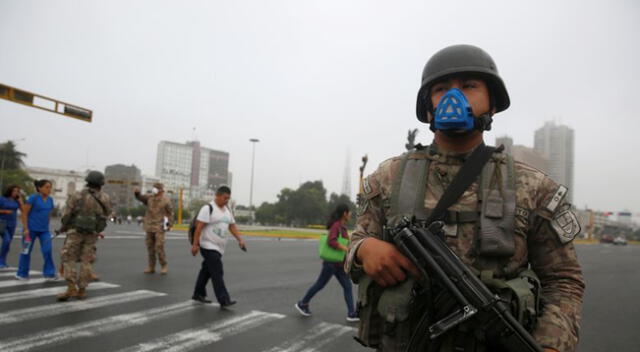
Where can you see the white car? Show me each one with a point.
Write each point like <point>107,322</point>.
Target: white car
<point>620,240</point>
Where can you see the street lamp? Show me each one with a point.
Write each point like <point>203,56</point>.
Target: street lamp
<point>253,159</point>
<point>4,153</point>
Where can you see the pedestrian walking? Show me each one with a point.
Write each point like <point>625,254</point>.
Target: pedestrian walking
<point>337,229</point>
<point>85,217</point>
<point>157,220</point>
<point>10,202</point>
<point>36,214</point>
<point>213,225</point>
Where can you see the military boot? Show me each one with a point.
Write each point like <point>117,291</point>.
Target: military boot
<point>82,293</point>
<point>94,277</point>
<point>71,292</point>
<point>149,270</point>
<point>164,270</point>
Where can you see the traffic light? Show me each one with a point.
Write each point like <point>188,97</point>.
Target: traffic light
<point>38,101</point>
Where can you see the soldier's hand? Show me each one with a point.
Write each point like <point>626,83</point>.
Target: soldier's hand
<point>384,263</point>
<point>550,350</point>
<point>194,249</point>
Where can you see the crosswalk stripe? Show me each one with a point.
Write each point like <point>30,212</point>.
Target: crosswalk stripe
<point>13,283</point>
<point>13,273</point>
<point>44,292</point>
<point>93,328</point>
<point>8,269</point>
<point>319,336</point>
<point>190,339</point>
<point>20,315</point>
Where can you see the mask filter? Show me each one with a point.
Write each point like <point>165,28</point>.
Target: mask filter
<point>155,191</point>
<point>454,112</point>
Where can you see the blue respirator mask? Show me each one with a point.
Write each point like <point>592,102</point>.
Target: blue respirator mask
<point>454,113</point>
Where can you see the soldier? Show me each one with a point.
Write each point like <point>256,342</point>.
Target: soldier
<point>84,218</point>
<point>522,210</point>
<point>157,220</point>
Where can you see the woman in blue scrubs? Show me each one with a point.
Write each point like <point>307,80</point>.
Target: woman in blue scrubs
<point>10,202</point>
<point>35,219</point>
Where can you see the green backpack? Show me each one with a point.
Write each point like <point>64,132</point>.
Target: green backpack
<point>91,222</point>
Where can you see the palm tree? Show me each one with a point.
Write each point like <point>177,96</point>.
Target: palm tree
<point>10,158</point>
<point>11,167</point>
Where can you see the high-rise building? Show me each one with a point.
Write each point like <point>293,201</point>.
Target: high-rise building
<point>556,142</point>
<point>191,167</point>
<point>120,181</point>
<point>524,154</point>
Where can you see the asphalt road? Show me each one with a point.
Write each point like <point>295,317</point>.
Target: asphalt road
<point>132,311</point>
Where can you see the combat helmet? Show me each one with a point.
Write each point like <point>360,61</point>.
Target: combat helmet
<point>458,59</point>
<point>95,178</point>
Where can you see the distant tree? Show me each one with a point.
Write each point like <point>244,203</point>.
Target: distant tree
<point>267,214</point>
<point>12,168</point>
<point>335,199</point>
<point>10,158</point>
<point>195,205</point>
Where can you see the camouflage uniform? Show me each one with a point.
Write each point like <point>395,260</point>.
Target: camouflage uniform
<point>81,247</point>
<point>540,241</point>
<point>158,207</point>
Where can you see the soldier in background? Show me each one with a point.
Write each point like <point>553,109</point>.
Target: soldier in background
<point>514,224</point>
<point>157,220</point>
<point>84,218</point>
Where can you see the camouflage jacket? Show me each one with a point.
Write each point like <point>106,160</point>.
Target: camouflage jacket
<point>158,207</point>
<point>83,202</point>
<point>538,240</point>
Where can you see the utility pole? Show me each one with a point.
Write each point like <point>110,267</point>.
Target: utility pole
<point>253,159</point>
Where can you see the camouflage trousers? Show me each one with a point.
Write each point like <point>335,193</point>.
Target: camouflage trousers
<point>78,247</point>
<point>155,248</point>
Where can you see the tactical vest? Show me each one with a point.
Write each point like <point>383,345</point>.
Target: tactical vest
<point>389,316</point>
<point>90,218</point>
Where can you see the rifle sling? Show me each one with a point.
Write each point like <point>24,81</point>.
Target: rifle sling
<point>468,173</point>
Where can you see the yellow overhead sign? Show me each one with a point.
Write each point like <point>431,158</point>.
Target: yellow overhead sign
<point>38,101</point>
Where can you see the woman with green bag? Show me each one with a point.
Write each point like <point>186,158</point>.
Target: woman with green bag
<point>333,252</point>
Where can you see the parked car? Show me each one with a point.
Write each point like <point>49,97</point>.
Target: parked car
<point>606,239</point>
<point>620,241</point>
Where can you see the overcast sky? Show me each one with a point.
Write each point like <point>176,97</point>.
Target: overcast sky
<point>314,81</point>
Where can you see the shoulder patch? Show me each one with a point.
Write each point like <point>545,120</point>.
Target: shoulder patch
<point>557,198</point>
<point>566,225</point>
<point>366,187</point>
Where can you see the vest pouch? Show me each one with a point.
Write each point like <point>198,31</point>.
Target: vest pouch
<point>523,295</point>
<point>394,309</point>
<point>497,224</point>
<point>85,224</point>
<point>371,323</point>
<point>526,298</point>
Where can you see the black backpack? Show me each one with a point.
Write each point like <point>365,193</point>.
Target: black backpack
<point>192,224</point>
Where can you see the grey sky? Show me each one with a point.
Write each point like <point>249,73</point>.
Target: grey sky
<point>313,79</point>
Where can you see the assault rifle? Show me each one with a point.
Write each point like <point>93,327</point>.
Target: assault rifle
<point>426,248</point>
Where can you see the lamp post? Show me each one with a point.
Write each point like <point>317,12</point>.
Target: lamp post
<point>4,154</point>
<point>253,159</point>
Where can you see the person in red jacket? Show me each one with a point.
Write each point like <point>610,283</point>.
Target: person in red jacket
<point>337,228</point>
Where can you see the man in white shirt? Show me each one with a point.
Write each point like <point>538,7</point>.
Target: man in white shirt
<point>213,226</point>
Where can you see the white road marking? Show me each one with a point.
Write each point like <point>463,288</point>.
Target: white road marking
<point>190,339</point>
<point>320,335</point>
<point>8,269</point>
<point>64,334</point>
<point>44,292</point>
<point>13,273</point>
<point>12,283</point>
<point>20,315</point>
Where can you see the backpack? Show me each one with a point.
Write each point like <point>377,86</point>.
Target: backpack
<point>87,221</point>
<point>192,224</point>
